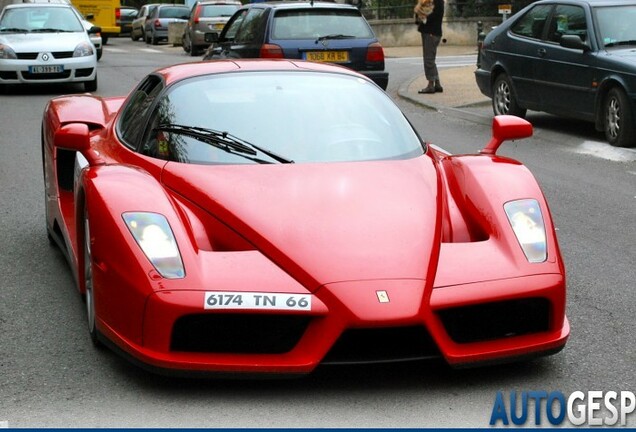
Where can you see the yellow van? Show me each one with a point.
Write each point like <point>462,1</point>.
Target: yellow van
<point>101,13</point>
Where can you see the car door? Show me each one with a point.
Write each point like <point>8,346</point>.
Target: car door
<point>519,53</point>
<point>565,76</point>
<point>249,37</point>
<point>221,48</point>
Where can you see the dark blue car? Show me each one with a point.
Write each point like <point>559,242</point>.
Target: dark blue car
<point>572,58</point>
<point>319,32</point>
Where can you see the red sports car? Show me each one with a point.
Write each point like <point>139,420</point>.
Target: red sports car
<point>267,217</point>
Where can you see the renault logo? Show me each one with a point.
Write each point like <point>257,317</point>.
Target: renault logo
<point>383,296</point>
<point>45,57</point>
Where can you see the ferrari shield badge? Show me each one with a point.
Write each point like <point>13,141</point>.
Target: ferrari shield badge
<point>383,296</point>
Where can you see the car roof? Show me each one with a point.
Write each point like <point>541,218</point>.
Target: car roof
<point>219,2</point>
<point>302,5</point>
<point>591,3</point>
<point>182,71</point>
<point>38,5</point>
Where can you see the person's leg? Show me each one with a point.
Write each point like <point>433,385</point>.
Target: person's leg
<point>429,51</point>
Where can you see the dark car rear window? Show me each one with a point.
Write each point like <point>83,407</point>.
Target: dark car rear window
<point>211,11</point>
<point>173,12</point>
<point>313,23</point>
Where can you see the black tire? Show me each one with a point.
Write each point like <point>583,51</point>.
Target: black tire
<point>193,49</point>
<point>133,36</point>
<point>90,86</point>
<point>504,101</point>
<point>104,40</point>
<point>99,53</point>
<point>88,284</point>
<point>154,40</point>
<point>618,121</point>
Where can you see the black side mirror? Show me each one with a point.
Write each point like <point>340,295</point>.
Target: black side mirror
<point>574,42</point>
<point>211,37</point>
<point>94,30</point>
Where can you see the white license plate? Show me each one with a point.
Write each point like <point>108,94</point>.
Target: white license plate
<point>46,69</point>
<point>256,300</point>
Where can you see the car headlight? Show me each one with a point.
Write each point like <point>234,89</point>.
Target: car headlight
<point>7,53</point>
<point>527,223</point>
<point>154,236</point>
<point>83,49</point>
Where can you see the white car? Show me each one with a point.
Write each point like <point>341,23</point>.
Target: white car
<point>43,44</point>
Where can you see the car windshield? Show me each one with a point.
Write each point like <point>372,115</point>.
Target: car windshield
<point>173,12</point>
<point>314,23</point>
<point>300,117</point>
<point>616,25</point>
<point>40,19</point>
<point>220,10</point>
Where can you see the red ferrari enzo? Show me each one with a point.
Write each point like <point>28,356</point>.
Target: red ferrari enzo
<point>267,217</point>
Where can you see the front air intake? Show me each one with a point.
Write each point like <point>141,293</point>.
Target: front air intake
<point>238,333</point>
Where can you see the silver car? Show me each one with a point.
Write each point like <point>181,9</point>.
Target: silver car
<point>206,16</point>
<point>160,17</point>
<point>45,43</point>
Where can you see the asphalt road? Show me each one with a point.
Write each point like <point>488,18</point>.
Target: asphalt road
<point>50,375</point>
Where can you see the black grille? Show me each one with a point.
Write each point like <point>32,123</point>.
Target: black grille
<point>8,75</point>
<point>238,333</point>
<point>377,345</point>
<point>43,76</point>
<point>27,56</point>
<point>498,320</point>
<point>63,54</point>
<point>83,72</point>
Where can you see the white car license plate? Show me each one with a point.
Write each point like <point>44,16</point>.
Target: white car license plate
<point>256,300</point>
<point>46,69</point>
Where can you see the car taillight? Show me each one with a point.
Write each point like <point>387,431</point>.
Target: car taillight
<point>197,13</point>
<point>271,51</point>
<point>117,16</point>
<point>157,23</point>
<point>375,53</point>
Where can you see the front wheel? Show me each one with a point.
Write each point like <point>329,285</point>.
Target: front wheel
<point>90,86</point>
<point>88,283</point>
<point>99,54</point>
<point>504,101</point>
<point>618,121</point>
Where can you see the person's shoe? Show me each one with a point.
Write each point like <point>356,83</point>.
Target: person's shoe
<point>438,87</point>
<point>427,90</point>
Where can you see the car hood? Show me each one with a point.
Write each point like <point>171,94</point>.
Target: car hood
<point>43,42</point>
<point>326,223</point>
<point>624,54</point>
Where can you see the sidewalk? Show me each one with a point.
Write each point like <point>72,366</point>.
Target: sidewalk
<point>460,88</point>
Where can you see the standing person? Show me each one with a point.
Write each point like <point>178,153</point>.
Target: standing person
<point>431,31</point>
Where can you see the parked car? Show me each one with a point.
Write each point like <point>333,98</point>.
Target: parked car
<point>573,58</point>
<point>45,43</point>
<point>206,16</point>
<point>126,16</point>
<point>156,27</point>
<point>94,35</point>
<point>320,32</point>
<point>269,216</point>
<point>138,25</point>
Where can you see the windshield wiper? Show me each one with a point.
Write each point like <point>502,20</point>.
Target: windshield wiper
<point>50,30</point>
<point>224,141</point>
<point>617,43</point>
<point>334,36</point>
<point>14,29</point>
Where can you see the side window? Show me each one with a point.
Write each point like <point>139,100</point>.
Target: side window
<point>567,20</point>
<point>232,26</point>
<point>532,23</point>
<point>132,122</point>
<point>249,29</point>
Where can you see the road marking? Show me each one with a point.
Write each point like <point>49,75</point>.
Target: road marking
<point>606,151</point>
<point>150,50</point>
